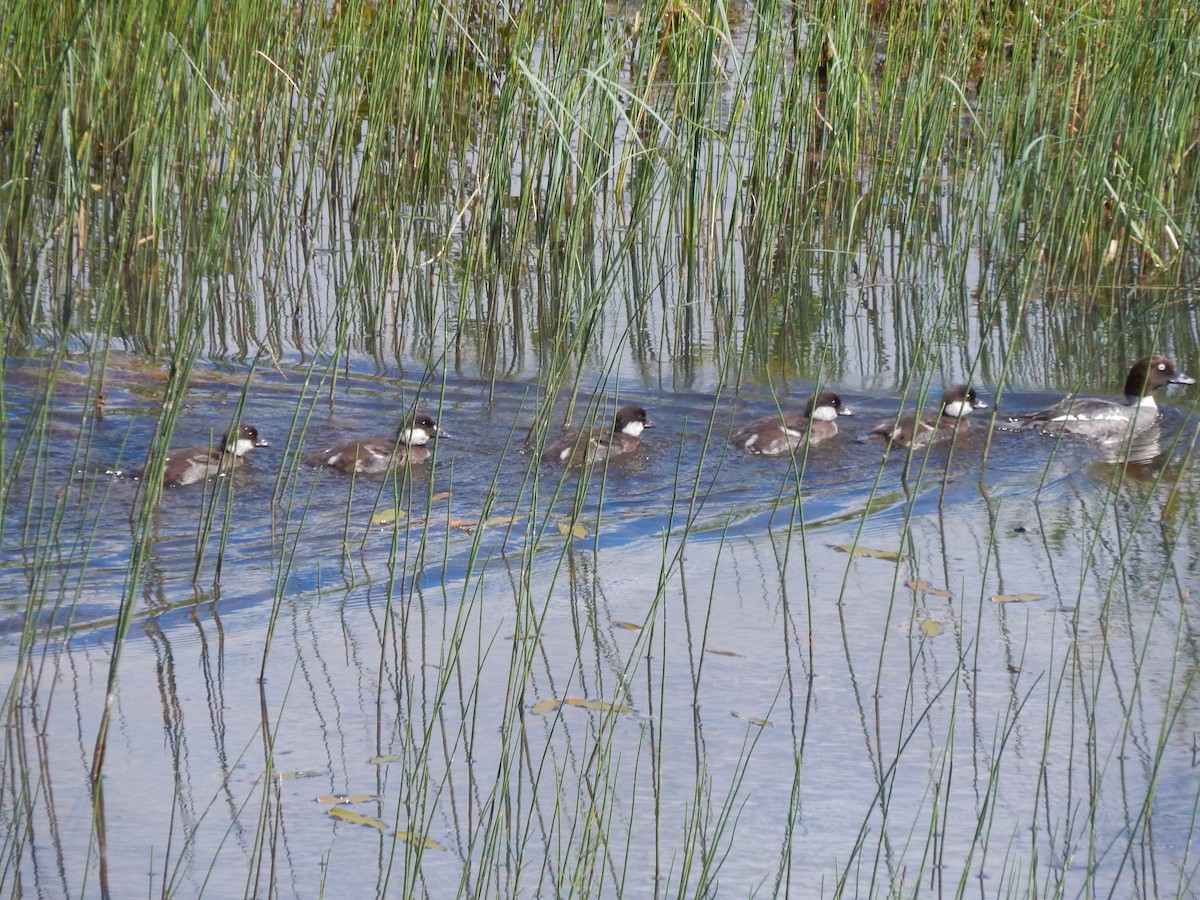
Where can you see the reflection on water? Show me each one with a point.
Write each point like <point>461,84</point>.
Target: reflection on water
<point>796,714</point>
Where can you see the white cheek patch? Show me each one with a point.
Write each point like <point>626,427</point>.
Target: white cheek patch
<point>825,414</point>
<point>957,409</point>
<point>415,436</point>
<point>633,429</point>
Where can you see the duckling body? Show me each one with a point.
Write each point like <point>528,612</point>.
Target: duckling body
<point>917,429</point>
<point>191,465</point>
<point>781,435</point>
<point>575,448</point>
<point>373,456</point>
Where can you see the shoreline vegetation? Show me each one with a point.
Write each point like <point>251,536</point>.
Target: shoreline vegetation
<point>483,180</point>
<point>563,201</point>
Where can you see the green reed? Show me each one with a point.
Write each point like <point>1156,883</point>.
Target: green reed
<point>697,183</point>
<point>497,175</point>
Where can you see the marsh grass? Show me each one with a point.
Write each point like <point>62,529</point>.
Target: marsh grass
<point>593,194</point>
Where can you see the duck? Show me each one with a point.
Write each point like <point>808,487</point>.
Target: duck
<point>192,465</point>
<point>576,448</point>
<point>918,429</point>
<point>783,434</point>
<point>372,456</point>
<point>1109,421</point>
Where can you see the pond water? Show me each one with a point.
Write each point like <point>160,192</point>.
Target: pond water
<point>694,672</point>
<point>767,710</point>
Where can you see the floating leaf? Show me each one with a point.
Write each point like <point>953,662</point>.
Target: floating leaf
<point>467,525</point>
<point>440,495</point>
<point>854,550</point>
<point>304,773</point>
<point>753,720</point>
<point>723,653</point>
<point>388,516</point>
<point>423,841</point>
<point>542,707</point>
<point>383,760</point>
<point>931,628</point>
<point>575,530</point>
<point>924,588</point>
<point>1017,598</point>
<point>598,705</point>
<point>354,818</point>
<point>524,636</point>
<point>346,798</point>
<point>511,519</point>
<point>628,626</point>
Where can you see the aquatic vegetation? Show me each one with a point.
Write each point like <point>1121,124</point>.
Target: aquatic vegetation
<point>687,669</point>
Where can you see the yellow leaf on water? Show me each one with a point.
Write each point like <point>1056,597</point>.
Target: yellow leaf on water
<point>424,842</point>
<point>511,519</point>
<point>925,588</point>
<point>1017,598</point>
<point>853,550</point>
<point>542,707</point>
<point>467,525</point>
<point>440,495</point>
<point>346,798</point>
<point>382,760</point>
<point>628,626</point>
<point>931,628</point>
<point>353,818</point>
<point>388,516</point>
<point>306,773</point>
<point>753,720</point>
<point>598,705</point>
<point>576,530</point>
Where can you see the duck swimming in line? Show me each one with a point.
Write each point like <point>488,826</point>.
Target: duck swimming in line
<point>918,429</point>
<point>780,435</point>
<point>372,456</point>
<point>1107,421</point>
<point>192,465</point>
<point>575,448</point>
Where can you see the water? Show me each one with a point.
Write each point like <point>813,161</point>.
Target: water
<point>788,702</point>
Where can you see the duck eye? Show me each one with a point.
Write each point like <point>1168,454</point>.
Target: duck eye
<point>1162,367</point>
